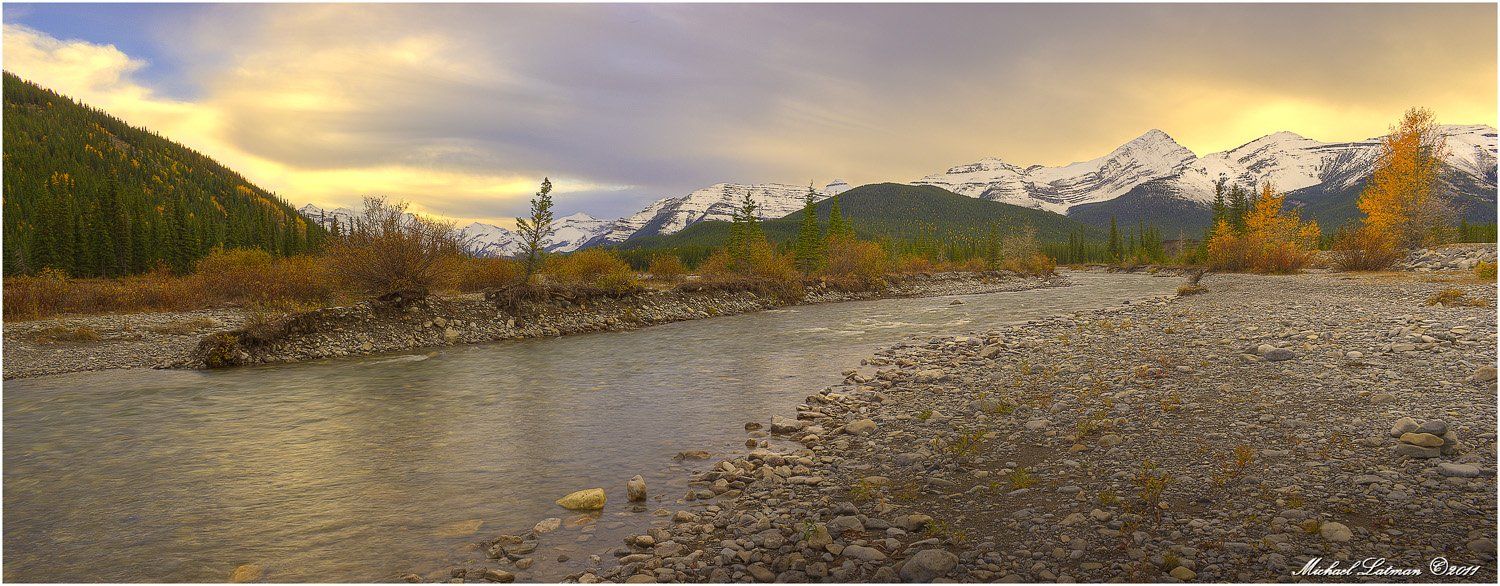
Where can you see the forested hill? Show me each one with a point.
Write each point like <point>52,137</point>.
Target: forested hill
<point>87,193</point>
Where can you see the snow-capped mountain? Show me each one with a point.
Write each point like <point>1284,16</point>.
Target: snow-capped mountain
<point>715,202</point>
<point>482,239</point>
<point>1287,160</point>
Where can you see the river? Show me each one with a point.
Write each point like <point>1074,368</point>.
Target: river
<point>365,469</point>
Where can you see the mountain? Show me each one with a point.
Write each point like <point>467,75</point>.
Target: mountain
<point>1155,180</point>
<point>481,239</point>
<point>885,210</point>
<point>86,193</point>
<point>715,202</point>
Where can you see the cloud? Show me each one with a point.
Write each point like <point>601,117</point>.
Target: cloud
<point>462,108</point>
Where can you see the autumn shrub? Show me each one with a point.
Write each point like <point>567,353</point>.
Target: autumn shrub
<point>388,250</point>
<point>1364,248</point>
<point>1036,264</point>
<point>595,267</point>
<point>854,265</point>
<point>1454,298</point>
<point>1271,241</point>
<point>758,268</point>
<point>666,267</point>
<point>914,263</point>
<point>59,334</point>
<point>1485,270</point>
<point>477,274</point>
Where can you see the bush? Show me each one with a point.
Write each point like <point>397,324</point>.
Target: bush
<point>666,267</point>
<point>388,250</point>
<point>855,265</point>
<point>1364,249</point>
<point>477,274</point>
<point>762,270</point>
<point>913,263</point>
<point>1036,264</point>
<point>1485,270</point>
<point>1454,298</point>
<point>1270,242</point>
<point>594,267</point>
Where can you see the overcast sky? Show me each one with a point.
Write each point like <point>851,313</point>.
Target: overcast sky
<point>461,109</point>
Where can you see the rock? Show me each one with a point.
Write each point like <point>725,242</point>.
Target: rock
<point>247,573</point>
<point>641,579</point>
<point>844,523</point>
<point>547,525</point>
<point>781,424</point>
<point>1335,532</point>
<point>1381,398</point>
<point>819,538</point>
<point>1403,426</point>
<point>1037,424</point>
<point>1484,547</point>
<point>861,552</point>
<point>914,522</point>
<point>1416,451</point>
<point>495,575</point>
<point>1278,355</point>
<point>928,565</point>
<point>692,455</point>
<point>1425,440</point>
<point>1483,374</point>
<point>460,528</point>
<point>1458,470</point>
<point>635,488</point>
<point>1109,440</point>
<point>411,578</point>
<point>589,499</point>
<point>1433,426</point>
<point>1262,349</point>
<point>1182,573</point>
<point>761,573</point>
<point>860,427</point>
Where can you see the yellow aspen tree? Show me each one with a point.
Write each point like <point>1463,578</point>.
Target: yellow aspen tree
<point>1404,202</point>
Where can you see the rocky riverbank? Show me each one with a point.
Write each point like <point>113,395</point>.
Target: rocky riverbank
<point>1269,424</point>
<point>168,340</point>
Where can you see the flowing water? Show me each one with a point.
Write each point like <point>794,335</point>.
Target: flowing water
<point>365,469</point>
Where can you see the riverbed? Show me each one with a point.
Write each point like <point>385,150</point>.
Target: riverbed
<point>367,469</point>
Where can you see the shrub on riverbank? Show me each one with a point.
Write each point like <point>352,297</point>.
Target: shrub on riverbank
<point>666,267</point>
<point>388,250</point>
<point>594,267</point>
<point>854,265</point>
<point>478,274</point>
<point>1272,240</point>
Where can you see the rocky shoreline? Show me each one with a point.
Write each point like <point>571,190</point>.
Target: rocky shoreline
<point>176,340</point>
<point>1268,425</point>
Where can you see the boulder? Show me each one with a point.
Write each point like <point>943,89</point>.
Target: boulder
<point>1335,532</point>
<point>547,525</point>
<point>860,427</point>
<point>1278,354</point>
<point>635,488</point>
<point>589,499</point>
<point>1425,440</point>
<point>1458,470</point>
<point>927,565</point>
<point>1403,425</point>
<point>781,424</point>
<point>861,552</point>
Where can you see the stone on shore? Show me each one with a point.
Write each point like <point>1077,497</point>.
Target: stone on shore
<point>589,499</point>
<point>927,565</point>
<point>635,488</point>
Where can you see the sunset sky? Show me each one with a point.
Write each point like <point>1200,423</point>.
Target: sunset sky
<point>461,109</point>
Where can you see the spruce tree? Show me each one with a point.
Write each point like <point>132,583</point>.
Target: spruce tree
<point>535,231</point>
<point>809,247</point>
<point>838,227</point>
<point>1116,250</point>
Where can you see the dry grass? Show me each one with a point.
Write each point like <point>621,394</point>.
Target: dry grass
<point>1454,298</point>
<point>1485,271</point>
<point>66,334</point>
<point>1191,289</point>
<point>478,274</point>
<point>593,267</point>
<point>187,326</point>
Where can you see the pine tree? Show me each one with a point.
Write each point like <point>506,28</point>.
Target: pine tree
<point>809,247</point>
<point>1239,205</point>
<point>535,231</point>
<point>838,227</point>
<point>1116,250</point>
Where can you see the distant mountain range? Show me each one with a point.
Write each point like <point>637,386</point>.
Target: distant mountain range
<point>569,232</point>
<point>1153,179</point>
<point>1149,180</point>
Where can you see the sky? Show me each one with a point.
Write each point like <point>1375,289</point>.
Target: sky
<point>462,109</point>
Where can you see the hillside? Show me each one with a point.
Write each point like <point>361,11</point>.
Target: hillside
<point>91,195</point>
<point>886,211</point>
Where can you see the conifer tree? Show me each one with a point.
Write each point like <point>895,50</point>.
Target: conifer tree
<point>1116,248</point>
<point>535,231</point>
<point>838,227</point>
<point>809,247</point>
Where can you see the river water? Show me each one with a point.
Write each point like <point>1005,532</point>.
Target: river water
<point>366,469</point>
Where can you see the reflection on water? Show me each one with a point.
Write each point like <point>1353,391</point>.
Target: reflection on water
<point>365,469</point>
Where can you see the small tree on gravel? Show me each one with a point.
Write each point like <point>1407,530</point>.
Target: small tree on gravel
<point>536,230</point>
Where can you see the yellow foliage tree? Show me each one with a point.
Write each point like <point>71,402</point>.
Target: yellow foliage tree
<point>1404,203</point>
<point>1273,240</point>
